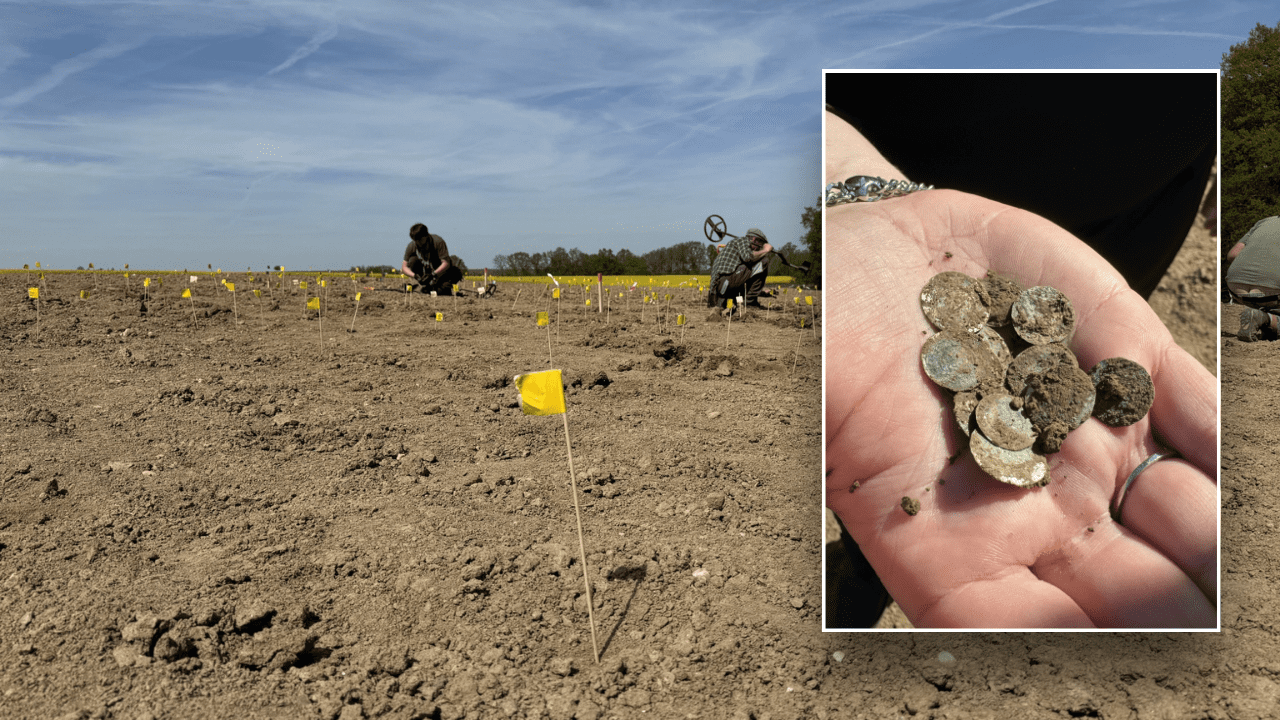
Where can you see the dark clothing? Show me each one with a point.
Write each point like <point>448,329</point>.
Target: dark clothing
<point>1120,160</point>
<point>735,274</point>
<point>424,259</point>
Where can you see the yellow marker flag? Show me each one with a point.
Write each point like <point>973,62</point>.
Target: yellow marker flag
<point>357,297</point>
<point>126,275</point>
<point>679,319</point>
<point>588,301</point>
<point>37,265</point>
<point>796,299</point>
<point>26,266</point>
<point>84,294</point>
<point>555,293</point>
<point>808,299</point>
<point>231,287</point>
<point>33,293</point>
<point>313,303</point>
<point>146,282</point>
<point>668,296</point>
<point>186,293</point>
<point>257,293</point>
<point>730,304</point>
<point>408,288</point>
<point>219,271</point>
<point>541,393</point>
<point>302,285</point>
<point>126,266</point>
<point>439,317</point>
<point>455,289</point>
<point>543,319</point>
<point>90,266</point>
<point>802,322</point>
<point>324,283</point>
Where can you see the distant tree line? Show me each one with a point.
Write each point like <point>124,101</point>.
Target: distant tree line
<point>1250,134</point>
<point>692,257</point>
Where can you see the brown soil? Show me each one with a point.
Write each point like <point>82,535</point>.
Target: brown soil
<point>206,519</point>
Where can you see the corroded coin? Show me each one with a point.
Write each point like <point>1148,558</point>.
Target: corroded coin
<point>1043,315</point>
<point>1124,390</point>
<point>1064,396</point>
<point>949,301</point>
<point>1003,424</point>
<point>957,360</point>
<point>964,403</point>
<point>1037,360</point>
<point>996,345</point>
<point>1023,468</point>
<point>998,294</point>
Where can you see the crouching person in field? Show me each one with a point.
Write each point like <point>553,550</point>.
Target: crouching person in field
<point>426,260</point>
<point>740,270</point>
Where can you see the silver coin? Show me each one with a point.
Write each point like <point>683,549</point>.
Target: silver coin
<point>1043,315</point>
<point>1002,424</point>
<point>964,404</point>
<point>1125,391</point>
<point>1037,360</point>
<point>957,360</point>
<point>1023,468</point>
<point>1065,396</point>
<point>950,301</point>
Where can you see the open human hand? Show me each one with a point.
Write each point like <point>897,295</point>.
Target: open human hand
<point>981,553</point>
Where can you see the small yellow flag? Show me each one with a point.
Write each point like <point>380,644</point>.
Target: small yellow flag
<point>37,265</point>
<point>808,299</point>
<point>455,289</point>
<point>408,288</point>
<point>302,284</point>
<point>33,293</point>
<point>668,296</point>
<point>313,303</point>
<point>731,304</point>
<point>439,317</point>
<point>231,287</point>
<point>357,297</point>
<point>146,282</point>
<point>25,266</point>
<point>90,266</point>
<point>257,293</point>
<point>324,283</point>
<point>555,293</point>
<point>802,322</point>
<point>126,265</point>
<point>543,319</point>
<point>186,293</point>
<point>126,274</point>
<point>796,299</point>
<point>541,393</point>
<point>588,301</point>
<point>679,319</point>
<point>84,294</point>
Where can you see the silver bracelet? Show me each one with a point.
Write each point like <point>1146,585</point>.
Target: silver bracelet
<point>865,188</point>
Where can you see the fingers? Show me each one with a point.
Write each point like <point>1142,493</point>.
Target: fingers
<point>1185,411</point>
<point>1172,506</point>
<point>1119,580</point>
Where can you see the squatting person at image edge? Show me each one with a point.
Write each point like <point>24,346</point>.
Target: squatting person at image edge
<point>740,269</point>
<point>1254,280</point>
<point>426,260</point>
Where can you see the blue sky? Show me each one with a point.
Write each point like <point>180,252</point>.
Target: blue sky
<point>171,134</point>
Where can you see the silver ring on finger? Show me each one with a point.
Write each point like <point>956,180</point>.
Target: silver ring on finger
<point>1117,503</point>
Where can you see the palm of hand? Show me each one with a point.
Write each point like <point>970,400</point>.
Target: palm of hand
<point>981,553</point>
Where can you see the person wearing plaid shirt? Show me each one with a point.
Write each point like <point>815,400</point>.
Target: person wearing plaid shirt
<point>740,270</point>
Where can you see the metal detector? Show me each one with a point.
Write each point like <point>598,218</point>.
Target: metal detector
<point>715,229</point>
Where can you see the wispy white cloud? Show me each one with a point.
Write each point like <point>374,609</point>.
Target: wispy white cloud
<point>65,69</point>
<point>311,46</point>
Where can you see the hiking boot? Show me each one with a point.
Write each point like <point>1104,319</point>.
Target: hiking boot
<point>1252,324</point>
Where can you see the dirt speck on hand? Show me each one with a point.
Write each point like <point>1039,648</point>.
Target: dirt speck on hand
<point>910,506</point>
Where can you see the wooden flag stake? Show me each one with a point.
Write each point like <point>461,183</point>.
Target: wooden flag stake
<point>582,547</point>
<point>354,314</point>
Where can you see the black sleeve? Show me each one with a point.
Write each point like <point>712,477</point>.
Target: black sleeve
<point>1121,160</point>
